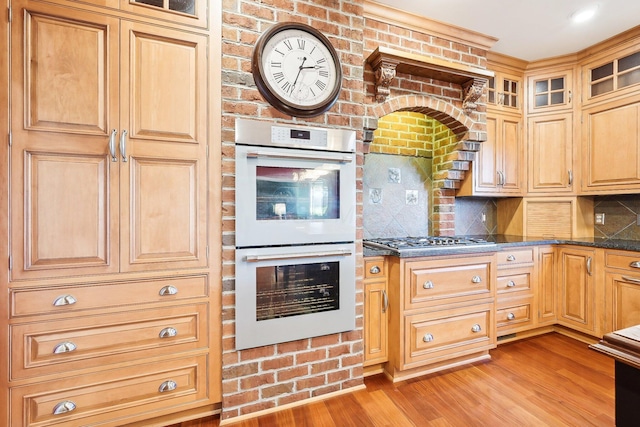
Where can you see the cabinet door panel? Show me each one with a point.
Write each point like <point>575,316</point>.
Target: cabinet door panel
<point>376,323</point>
<point>487,159</point>
<point>511,163</point>
<point>163,184</point>
<point>550,148</point>
<point>64,187</point>
<point>623,301</point>
<point>613,147</point>
<point>577,292</point>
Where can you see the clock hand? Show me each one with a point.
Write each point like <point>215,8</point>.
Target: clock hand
<point>310,67</point>
<point>299,71</point>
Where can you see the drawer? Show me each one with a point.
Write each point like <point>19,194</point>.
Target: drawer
<point>87,342</point>
<point>374,268</point>
<point>72,299</point>
<point>624,261</point>
<point>519,281</point>
<point>517,316</point>
<point>112,398</point>
<point>436,282</point>
<point>433,337</point>
<point>515,257</point>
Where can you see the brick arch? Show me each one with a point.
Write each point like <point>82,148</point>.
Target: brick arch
<point>449,173</point>
<point>461,124</point>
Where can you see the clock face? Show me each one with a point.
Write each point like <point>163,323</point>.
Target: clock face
<point>297,70</point>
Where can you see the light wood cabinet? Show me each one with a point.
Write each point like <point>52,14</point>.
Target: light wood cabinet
<point>577,289</point>
<point>376,306</point>
<point>111,285</point>
<point>442,312</point>
<point>515,290</point>
<point>550,154</point>
<point>622,287</point>
<point>499,165</point>
<point>611,148</point>
<point>549,89</point>
<point>546,294</point>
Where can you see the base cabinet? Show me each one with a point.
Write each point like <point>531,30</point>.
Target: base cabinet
<point>577,289</point>
<point>546,295</point>
<point>515,290</point>
<point>376,309</point>
<point>445,312</point>
<point>622,290</point>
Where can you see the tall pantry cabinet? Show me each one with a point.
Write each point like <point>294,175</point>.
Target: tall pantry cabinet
<point>113,309</point>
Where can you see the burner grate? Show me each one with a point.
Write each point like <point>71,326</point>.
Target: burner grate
<point>428,242</point>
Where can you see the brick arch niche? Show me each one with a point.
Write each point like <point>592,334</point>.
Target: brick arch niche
<point>456,140</point>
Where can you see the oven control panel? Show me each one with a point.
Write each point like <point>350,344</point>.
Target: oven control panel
<point>316,138</point>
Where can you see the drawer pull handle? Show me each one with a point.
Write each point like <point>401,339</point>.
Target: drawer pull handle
<point>167,386</point>
<point>511,258</point>
<point>635,264</point>
<point>511,316</point>
<point>168,332</point>
<point>168,290</point>
<point>630,279</point>
<point>427,338</point>
<point>476,279</point>
<point>64,347</point>
<point>64,300</point>
<point>511,284</point>
<point>428,284</point>
<point>476,328</point>
<point>374,270</point>
<point>64,407</point>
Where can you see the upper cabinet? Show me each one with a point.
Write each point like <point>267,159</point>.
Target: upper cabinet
<point>184,12</point>
<point>612,76</point>
<point>550,91</point>
<point>504,92</point>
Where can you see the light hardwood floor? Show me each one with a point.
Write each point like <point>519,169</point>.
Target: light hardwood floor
<point>550,380</point>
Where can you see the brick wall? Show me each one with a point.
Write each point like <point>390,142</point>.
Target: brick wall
<point>270,376</point>
<point>266,377</point>
<point>404,133</point>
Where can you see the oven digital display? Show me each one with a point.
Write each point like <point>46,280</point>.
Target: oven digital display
<point>300,134</point>
<point>293,290</point>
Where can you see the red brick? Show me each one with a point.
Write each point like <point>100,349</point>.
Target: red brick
<point>277,363</point>
<point>312,382</point>
<point>276,390</point>
<point>255,381</point>
<point>311,356</point>
<point>327,365</point>
<point>298,371</point>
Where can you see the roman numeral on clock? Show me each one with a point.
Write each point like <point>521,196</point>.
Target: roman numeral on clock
<point>320,85</point>
<point>301,43</point>
<point>278,77</point>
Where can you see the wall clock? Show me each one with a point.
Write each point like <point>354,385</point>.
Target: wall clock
<point>296,69</point>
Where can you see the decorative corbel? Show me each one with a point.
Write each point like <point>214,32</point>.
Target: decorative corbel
<point>385,72</point>
<point>472,91</point>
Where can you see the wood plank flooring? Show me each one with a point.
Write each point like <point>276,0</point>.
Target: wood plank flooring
<point>550,380</point>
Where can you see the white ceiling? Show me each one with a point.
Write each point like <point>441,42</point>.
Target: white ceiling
<point>530,29</point>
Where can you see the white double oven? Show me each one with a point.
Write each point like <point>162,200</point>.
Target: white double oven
<point>295,232</point>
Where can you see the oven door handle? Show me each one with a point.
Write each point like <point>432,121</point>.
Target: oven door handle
<point>258,258</point>
<point>315,156</point>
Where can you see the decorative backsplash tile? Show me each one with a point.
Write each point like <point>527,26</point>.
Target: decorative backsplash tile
<point>398,190</point>
<point>476,216</point>
<point>621,216</point>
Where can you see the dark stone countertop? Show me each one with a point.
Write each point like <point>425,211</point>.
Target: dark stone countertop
<point>499,242</point>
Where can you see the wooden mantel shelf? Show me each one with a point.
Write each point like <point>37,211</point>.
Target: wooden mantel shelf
<point>386,62</point>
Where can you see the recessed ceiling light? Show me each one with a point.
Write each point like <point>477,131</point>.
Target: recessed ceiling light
<point>584,15</point>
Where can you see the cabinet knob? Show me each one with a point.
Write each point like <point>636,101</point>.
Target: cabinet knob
<point>511,316</point>
<point>64,407</point>
<point>511,258</point>
<point>427,338</point>
<point>428,284</point>
<point>64,347</point>
<point>476,279</point>
<point>168,290</point>
<point>374,270</point>
<point>511,284</point>
<point>167,386</point>
<point>63,300</point>
<point>476,328</point>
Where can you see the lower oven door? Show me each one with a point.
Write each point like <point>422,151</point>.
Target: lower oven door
<point>288,197</point>
<point>290,293</point>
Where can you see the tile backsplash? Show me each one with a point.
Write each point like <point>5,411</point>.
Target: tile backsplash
<point>621,216</point>
<point>475,216</point>
<point>396,196</point>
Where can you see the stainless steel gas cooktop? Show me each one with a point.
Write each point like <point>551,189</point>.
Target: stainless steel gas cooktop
<point>402,244</point>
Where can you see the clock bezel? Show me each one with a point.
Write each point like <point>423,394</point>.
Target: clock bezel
<point>285,105</point>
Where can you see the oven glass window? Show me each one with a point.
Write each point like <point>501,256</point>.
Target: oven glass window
<point>297,193</point>
<point>293,290</point>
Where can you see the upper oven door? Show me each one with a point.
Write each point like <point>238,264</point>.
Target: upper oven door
<point>289,196</point>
